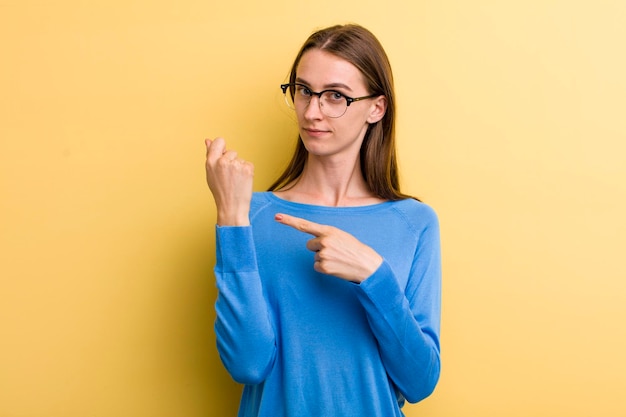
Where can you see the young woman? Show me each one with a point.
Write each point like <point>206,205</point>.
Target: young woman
<point>329,283</point>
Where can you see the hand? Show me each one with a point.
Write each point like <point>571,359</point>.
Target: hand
<point>337,253</point>
<point>230,181</point>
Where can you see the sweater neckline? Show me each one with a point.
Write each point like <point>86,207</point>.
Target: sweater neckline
<point>319,208</point>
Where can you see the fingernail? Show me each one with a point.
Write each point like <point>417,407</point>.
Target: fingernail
<point>278,217</point>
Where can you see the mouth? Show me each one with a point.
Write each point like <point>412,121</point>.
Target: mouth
<point>315,132</point>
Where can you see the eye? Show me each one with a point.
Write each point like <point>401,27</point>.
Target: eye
<point>334,96</point>
<point>303,90</point>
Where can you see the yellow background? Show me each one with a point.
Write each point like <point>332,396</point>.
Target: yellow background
<point>511,125</point>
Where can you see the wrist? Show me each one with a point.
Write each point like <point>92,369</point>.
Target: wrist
<point>233,219</point>
<point>370,269</point>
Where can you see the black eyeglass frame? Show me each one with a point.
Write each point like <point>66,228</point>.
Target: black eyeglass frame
<point>349,100</point>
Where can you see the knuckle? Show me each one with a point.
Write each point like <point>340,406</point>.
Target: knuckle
<point>326,240</point>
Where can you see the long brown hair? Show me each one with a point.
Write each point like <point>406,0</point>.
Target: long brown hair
<point>360,47</point>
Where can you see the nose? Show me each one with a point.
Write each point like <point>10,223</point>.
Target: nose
<point>313,110</point>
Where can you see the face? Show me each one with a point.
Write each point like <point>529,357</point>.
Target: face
<point>342,136</point>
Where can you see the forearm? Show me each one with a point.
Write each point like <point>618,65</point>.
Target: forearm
<point>245,335</point>
<point>407,337</point>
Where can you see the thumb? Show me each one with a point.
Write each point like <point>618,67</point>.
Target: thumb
<point>215,148</point>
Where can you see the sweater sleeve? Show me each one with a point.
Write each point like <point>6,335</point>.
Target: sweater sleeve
<point>406,323</point>
<point>244,332</point>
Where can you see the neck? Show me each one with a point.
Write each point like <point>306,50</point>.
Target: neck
<point>334,183</point>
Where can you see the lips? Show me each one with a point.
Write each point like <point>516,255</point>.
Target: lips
<point>315,132</point>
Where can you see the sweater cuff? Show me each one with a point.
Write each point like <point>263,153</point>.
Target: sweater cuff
<point>235,249</point>
<point>381,289</point>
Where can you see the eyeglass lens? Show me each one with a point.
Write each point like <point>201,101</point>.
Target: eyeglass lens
<point>330,103</point>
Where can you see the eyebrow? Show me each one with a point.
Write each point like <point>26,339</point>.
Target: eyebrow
<point>331,85</point>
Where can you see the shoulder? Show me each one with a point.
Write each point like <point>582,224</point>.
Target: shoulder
<point>260,201</point>
<point>260,198</point>
<point>417,214</point>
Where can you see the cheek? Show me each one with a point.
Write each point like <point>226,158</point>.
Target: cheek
<point>353,130</point>
<point>356,121</point>
<point>300,112</point>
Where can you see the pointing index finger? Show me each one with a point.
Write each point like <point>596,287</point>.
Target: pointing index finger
<point>300,224</point>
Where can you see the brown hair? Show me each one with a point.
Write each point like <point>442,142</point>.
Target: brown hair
<point>360,47</point>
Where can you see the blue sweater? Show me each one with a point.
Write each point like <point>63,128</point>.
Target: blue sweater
<point>308,344</point>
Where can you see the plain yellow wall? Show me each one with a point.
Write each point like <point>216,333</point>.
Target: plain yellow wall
<point>512,124</point>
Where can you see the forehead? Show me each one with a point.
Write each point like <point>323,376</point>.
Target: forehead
<point>322,69</point>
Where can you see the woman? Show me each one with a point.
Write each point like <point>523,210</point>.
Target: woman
<point>329,283</point>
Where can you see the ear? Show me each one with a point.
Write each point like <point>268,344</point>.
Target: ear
<point>378,109</point>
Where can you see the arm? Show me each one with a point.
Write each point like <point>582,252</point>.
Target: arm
<point>244,331</point>
<point>406,324</point>
<point>245,336</point>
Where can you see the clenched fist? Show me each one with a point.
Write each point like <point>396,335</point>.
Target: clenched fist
<point>230,181</point>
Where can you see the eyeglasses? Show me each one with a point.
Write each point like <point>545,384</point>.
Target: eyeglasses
<point>332,103</point>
